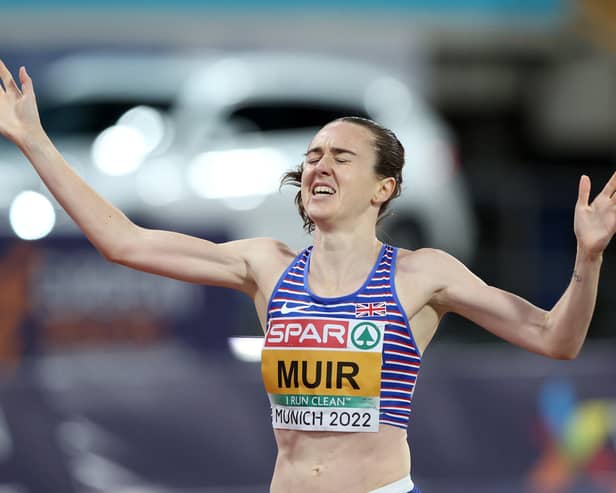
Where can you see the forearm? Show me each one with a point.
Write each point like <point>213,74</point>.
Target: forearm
<point>102,223</point>
<point>567,323</point>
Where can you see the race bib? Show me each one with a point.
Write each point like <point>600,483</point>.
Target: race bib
<point>323,374</point>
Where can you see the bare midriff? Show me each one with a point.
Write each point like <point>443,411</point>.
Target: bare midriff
<point>337,462</point>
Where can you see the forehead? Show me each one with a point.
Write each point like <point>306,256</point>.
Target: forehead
<point>344,135</point>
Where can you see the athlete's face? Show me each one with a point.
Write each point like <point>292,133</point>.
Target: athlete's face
<point>338,179</point>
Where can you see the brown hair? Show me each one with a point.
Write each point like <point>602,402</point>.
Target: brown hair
<point>389,162</point>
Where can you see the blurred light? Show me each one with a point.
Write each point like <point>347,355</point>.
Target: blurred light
<point>119,150</point>
<point>100,473</point>
<point>246,348</point>
<point>390,99</point>
<point>31,215</point>
<point>429,152</point>
<point>557,405</point>
<point>159,182</point>
<point>149,122</point>
<point>226,82</point>
<point>237,173</point>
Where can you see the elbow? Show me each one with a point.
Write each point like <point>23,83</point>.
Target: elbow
<point>118,253</point>
<point>561,348</point>
<point>559,343</point>
<point>564,351</point>
<point>112,254</point>
<point>566,355</point>
<point>121,247</point>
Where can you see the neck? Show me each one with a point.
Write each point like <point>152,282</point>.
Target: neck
<point>357,238</point>
<point>341,261</point>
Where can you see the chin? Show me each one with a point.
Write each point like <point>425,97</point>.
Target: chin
<point>318,212</point>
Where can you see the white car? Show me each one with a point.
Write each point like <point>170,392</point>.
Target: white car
<point>243,120</point>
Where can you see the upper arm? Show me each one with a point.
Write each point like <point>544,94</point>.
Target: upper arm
<point>193,259</point>
<point>506,315</point>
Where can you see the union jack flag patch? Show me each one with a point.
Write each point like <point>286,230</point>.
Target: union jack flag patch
<point>371,309</point>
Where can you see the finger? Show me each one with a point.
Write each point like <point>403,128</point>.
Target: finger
<point>584,190</point>
<point>7,80</point>
<point>610,187</point>
<point>27,86</point>
<point>2,69</point>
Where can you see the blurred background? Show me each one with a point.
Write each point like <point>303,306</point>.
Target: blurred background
<point>185,114</point>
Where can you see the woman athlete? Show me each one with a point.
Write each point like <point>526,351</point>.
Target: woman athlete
<point>339,360</point>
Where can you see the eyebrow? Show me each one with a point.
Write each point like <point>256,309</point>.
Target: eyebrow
<point>335,150</point>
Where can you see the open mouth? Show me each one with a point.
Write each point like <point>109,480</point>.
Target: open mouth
<point>323,190</point>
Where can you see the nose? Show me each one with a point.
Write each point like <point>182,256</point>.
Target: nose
<point>324,165</point>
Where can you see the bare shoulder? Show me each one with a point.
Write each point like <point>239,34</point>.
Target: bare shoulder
<point>418,276</point>
<point>429,262</point>
<point>265,250</point>
<point>428,274</point>
<point>266,258</point>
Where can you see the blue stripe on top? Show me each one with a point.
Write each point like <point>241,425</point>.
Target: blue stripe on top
<point>401,359</point>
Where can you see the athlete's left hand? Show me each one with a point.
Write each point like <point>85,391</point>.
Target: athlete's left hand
<point>595,223</point>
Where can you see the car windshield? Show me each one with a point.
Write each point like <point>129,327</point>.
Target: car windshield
<point>88,118</point>
<point>273,116</point>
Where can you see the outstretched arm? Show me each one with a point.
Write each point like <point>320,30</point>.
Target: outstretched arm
<point>102,223</point>
<point>560,332</point>
<point>110,231</point>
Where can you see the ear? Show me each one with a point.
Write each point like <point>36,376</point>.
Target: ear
<point>384,191</point>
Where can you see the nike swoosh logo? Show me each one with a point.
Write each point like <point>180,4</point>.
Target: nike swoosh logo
<point>298,308</point>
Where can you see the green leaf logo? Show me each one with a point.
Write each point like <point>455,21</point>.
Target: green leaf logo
<point>365,335</point>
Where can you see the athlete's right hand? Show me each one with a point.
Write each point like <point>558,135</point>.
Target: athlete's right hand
<point>19,116</point>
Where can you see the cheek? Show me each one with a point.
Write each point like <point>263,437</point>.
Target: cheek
<point>305,191</point>
<point>305,180</point>
<point>305,196</point>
